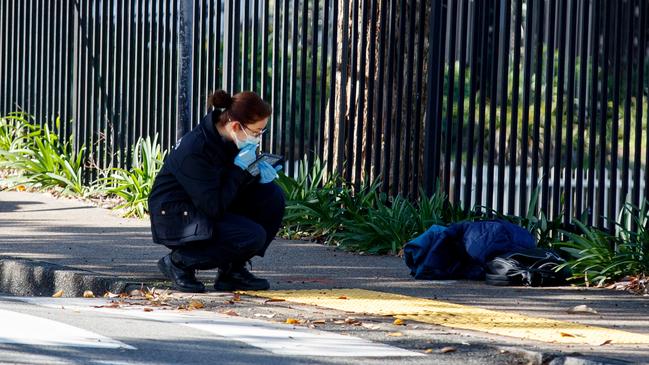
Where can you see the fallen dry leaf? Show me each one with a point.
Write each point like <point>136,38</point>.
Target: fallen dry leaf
<point>399,322</point>
<point>272,300</point>
<point>353,321</point>
<point>148,309</point>
<point>319,321</point>
<point>88,294</point>
<point>339,321</point>
<point>195,304</point>
<point>582,309</point>
<point>21,188</point>
<point>342,297</point>
<point>108,294</point>
<point>564,334</point>
<point>232,313</point>
<point>292,321</point>
<point>395,334</point>
<point>429,351</point>
<point>447,349</point>
<point>111,305</point>
<point>58,294</point>
<point>606,342</point>
<point>236,297</point>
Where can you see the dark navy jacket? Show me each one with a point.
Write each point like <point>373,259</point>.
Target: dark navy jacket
<point>461,250</point>
<point>195,186</point>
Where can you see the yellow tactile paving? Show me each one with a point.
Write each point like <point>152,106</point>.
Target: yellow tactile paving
<point>456,316</point>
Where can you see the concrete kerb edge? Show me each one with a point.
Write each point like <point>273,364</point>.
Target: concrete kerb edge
<point>24,277</point>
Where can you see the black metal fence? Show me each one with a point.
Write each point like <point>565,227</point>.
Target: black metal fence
<point>486,100</point>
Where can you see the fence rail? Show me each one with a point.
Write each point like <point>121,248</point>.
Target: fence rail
<point>401,90</point>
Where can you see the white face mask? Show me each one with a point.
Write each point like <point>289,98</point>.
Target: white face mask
<point>245,142</point>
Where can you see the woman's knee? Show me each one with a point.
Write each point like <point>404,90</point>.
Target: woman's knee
<point>255,238</point>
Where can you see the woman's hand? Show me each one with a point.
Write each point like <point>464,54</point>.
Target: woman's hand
<point>246,156</point>
<point>267,172</point>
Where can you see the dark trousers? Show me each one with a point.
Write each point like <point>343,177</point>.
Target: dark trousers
<point>244,231</point>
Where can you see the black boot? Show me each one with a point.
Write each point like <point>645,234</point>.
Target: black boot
<point>239,278</point>
<point>183,279</point>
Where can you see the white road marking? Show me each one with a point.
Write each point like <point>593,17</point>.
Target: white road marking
<point>20,328</point>
<point>277,338</point>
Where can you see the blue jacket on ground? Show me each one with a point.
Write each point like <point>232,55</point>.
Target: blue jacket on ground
<point>461,250</point>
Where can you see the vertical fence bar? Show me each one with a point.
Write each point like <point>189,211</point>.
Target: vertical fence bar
<point>513,138</point>
<point>370,143</point>
<point>493,103</point>
<point>581,118</point>
<point>351,119</point>
<point>245,49</point>
<point>387,136</point>
<point>504,76</point>
<point>432,104</point>
<point>313,82</point>
<point>627,104</point>
<point>323,78</point>
<point>593,114</point>
<point>290,124</point>
<point>342,103</point>
<point>527,85</point>
<point>332,88</point>
<point>639,110</point>
<point>185,84</point>
<point>419,97</point>
<point>540,19</point>
<point>396,160</point>
<point>484,80</point>
<point>612,190</point>
<point>452,32</point>
<point>572,33</point>
<point>603,118</point>
<point>29,58</point>
<point>264,51</point>
<point>275,80</point>
<point>440,91</point>
<point>549,86</point>
<point>406,180</point>
<point>237,80</point>
<point>284,75</point>
<point>459,146</point>
<point>255,69</point>
<point>473,65</point>
<point>376,164</point>
<point>303,79</point>
<point>362,128</point>
<point>559,153</point>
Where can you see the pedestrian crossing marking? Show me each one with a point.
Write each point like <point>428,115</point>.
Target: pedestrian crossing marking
<point>456,316</point>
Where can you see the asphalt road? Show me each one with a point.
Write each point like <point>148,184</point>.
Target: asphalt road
<point>42,330</point>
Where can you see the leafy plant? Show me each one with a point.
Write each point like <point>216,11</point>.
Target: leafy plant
<point>312,207</point>
<point>134,185</point>
<point>599,256</point>
<point>46,162</point>
<point>382,229</point>
<point>16,131</point>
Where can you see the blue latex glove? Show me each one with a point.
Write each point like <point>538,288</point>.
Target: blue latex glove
<point>267,172</point>
<point>246,156</point>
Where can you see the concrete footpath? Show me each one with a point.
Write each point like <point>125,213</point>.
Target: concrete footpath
<point>49,244</point>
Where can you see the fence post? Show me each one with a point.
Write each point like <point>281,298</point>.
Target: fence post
<point>185,59</point>
<point>74,37</point>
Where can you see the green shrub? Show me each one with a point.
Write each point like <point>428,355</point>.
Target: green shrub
<point>598,256</point>
<point>134,185</point>
<point>312,207</point>
<point>44,161</point>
